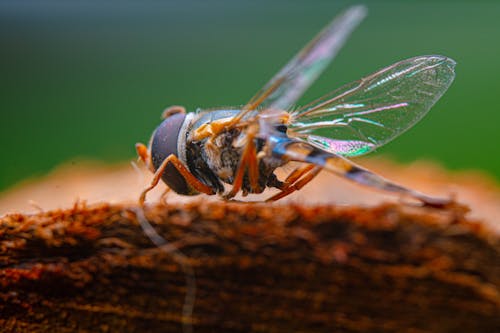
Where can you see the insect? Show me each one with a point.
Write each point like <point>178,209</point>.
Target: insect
<point>240,148</point>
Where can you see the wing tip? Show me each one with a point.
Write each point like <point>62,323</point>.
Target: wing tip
<point>448,65</point>
<point>443,60</point>
<point>355,13</point>
<point>357,10</point>
<point>449,62</point>
<point>443,64</point>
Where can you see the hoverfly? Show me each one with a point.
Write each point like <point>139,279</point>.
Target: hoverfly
<point>204,151</point>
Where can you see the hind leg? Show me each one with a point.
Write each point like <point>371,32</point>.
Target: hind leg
<point>300,177</point>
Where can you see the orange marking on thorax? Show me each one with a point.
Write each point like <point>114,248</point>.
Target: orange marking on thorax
<point>211,129</point>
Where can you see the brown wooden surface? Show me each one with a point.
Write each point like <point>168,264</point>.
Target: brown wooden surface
<point>331,259</point>
<point>259,268</point>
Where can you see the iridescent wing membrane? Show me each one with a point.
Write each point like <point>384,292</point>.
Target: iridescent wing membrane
<point>368,113</point>
<point>363,115</point>
<point>286,87</point>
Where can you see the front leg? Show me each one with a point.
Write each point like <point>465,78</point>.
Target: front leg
<point>186,174</point>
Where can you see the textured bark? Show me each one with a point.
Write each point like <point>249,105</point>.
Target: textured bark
<point>259,268</point>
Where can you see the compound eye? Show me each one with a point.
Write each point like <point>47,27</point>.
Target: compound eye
<point>164,144</point>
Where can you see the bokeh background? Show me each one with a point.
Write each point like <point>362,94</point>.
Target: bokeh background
<point>86,80</point>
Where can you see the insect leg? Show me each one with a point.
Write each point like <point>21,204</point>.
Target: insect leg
<point>253,168</point>
<point>143,153</point>
<point>248,161</point>
<point>188,176</point>
<point>163,197</point>
<point>296,174</point>
<point>307,174</point>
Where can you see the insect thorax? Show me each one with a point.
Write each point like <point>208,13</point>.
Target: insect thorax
<point>216,163</point>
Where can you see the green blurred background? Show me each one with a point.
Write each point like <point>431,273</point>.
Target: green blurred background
<point>89,79</point>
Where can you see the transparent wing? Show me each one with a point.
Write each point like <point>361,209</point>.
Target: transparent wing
<point>283,90</point>
<point>368,113</point>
